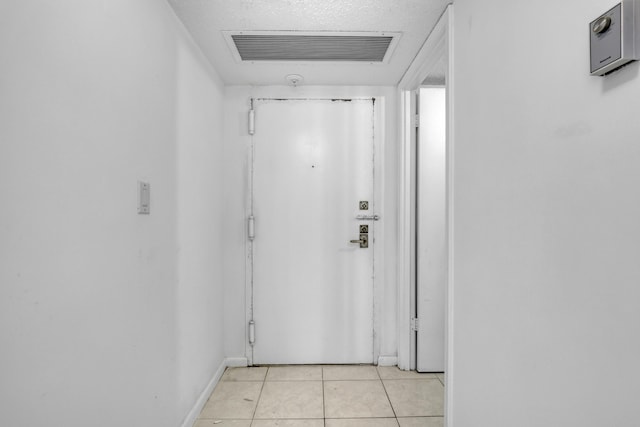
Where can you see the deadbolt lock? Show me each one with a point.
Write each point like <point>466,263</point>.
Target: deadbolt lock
<point>364,205</point>
<point>364,240</point>
<point>364,228</point>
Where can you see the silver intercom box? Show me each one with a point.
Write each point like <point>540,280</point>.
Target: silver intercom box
<point>613,38</point>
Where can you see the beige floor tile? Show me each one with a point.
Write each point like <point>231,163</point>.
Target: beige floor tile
<point>416,398</point>
<point>362,422</point>
<point>393,373</point>
<point>356,399</point>
<point>232,400</point>
<point>294,373</point>
<point>222,423</point>
<point>421,422</point>
<point>346,372</point>
<point>245,374</point>
<point>290,399</point>
<point>288,423</point>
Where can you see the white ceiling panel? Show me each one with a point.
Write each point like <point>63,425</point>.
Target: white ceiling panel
<point>211,22</point>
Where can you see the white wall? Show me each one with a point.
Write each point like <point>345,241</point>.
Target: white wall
<point>106,317</point>
<point>200,293</point>
<point>237,144</point>
<point>547,221</point>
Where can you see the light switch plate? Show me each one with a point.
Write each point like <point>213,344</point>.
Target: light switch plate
<point>144,198</point>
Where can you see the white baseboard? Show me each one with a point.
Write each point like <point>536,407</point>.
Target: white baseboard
<point>388,361</point>
<point>190,420</point>
<point>236,362</point>
<point>204,396</point>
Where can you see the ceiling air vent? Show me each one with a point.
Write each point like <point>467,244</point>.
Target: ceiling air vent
<point>299,46</point>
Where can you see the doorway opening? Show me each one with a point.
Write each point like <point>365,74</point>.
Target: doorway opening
<point>431,225</point>
<point>425,334</point>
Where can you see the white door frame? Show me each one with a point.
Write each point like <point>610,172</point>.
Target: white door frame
<point>378,185</point>
<point>438,46</point>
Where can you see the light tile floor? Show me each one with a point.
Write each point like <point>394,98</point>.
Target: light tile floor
<point>325,396</point>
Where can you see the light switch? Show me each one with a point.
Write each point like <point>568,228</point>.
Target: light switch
<point>144,198</point>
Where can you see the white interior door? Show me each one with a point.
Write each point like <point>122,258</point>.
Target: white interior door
<point>431,225</point>
<point>312,287</point>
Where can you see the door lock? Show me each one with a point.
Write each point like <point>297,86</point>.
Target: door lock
<point>364,240</point>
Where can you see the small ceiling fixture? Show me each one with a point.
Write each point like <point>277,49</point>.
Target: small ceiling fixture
<point>294,79</point>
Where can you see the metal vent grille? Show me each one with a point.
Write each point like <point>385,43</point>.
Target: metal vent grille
<point>312,47</point>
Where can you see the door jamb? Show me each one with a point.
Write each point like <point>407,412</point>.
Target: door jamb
<point>438,46</point>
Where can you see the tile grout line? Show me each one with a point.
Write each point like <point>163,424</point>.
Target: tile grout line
<point>324,412</point>
<point>253,416</point>
<point>388,398</point>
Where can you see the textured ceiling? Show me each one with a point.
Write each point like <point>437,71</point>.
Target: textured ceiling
<point>207,19</point>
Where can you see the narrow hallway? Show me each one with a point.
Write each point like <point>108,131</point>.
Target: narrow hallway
<point>329,395</point>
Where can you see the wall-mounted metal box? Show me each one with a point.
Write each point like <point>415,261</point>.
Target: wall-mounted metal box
<point>613,38</point>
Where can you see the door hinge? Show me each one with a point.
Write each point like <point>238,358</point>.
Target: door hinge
<point>252,121</point>
<point>252,332</point>
<point>414,324</point>
<point>251,227</point>
<point>416,121</point>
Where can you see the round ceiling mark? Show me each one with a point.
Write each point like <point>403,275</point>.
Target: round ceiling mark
<point>294,79</point>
